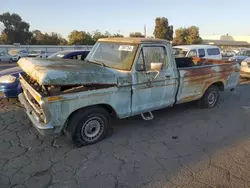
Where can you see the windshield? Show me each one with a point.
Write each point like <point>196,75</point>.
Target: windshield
<point>13,52</point>
<point>58,55</point>
<point>114,55</point>
<point>179,52</point>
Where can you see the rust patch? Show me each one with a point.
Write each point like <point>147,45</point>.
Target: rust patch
<point>203,61</point>
<point>189,98</point>
<point>198,71</point>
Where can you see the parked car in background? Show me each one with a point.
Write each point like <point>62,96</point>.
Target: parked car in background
<point>202,51</point>
<point>18,54</point>
<point>9,78</point>
<point>245,68</point>
<point>240,56</point>
<point>227,53</point>
<point>5,57</point>
<point>70,54</point>
<point>38,53</point>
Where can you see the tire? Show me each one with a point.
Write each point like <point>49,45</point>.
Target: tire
<point>11,61</point>
<point>210,98</point>
<point>88,126</point>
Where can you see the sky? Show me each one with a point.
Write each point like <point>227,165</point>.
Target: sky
<point>213,17</point>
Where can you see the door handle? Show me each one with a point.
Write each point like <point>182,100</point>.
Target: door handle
<point>167,76</point>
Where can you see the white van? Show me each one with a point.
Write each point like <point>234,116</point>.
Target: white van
<point>202,51</point>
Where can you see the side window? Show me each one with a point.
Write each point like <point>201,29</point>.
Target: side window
<point>192,53</point>
<point>140,66</point>
<point>201,53</point>
<point>148,55</point>
<point>213,51</point>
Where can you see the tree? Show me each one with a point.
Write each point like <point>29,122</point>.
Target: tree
<point>97,35</point>
<point>16,29</point>
<point>80,37</point>
<point>3,38</point>
<point>136,34</point>
<point>188,35</point>
<point>37,38</point>
<point>194,35</point>
<point>117,35</point>
<point>162,29</point>
<point>180,36</point>
<point>47,39</point>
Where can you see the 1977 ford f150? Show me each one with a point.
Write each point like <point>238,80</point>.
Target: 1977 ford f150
<point>122,77</point>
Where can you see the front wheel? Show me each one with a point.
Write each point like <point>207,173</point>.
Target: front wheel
<point>210,98</point>
<point>88,126</point>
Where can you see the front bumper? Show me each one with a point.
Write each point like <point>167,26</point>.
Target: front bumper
<point>42,128</point>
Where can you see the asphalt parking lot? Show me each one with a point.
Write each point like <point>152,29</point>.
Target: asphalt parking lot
<point>182,147</point>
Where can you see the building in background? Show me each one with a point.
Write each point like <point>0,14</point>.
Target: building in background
<point>227,41</point>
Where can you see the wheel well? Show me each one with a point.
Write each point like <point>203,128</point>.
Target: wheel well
<point>107,107</point>
<point>220,85</point>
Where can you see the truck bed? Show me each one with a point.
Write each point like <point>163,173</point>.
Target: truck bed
<point>196,75</point>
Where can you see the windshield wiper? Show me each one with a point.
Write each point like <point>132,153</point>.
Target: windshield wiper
<point>98,63</point>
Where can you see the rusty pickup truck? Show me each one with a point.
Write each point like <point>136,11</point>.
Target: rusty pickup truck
<point>120,77</point>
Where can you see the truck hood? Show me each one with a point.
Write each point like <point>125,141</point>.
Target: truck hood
<point>66,72</point>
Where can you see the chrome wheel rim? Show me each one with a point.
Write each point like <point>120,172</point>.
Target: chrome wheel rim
<point>92,129</point>
<point>212,98</point>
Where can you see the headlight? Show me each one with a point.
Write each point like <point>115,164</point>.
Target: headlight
<point>7,79</point>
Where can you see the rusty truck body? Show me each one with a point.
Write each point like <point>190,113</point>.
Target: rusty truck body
<point>120,76</point>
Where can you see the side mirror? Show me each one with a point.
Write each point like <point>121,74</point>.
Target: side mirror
<point>156,66</point>
<point>201,56</point>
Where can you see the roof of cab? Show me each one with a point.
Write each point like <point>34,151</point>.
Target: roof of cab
<point>198,46</point>
<point>135,40</point>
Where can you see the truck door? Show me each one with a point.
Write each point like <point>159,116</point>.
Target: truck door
<point>153,90</point>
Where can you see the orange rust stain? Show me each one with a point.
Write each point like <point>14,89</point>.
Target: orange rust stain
<point>189,98</point>
<point>198,71</point>
<point>212,61</point>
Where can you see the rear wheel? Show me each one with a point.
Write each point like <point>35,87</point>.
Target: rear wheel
<point>210,98</point>
<point>11,60</point>
<point>88,126</point>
